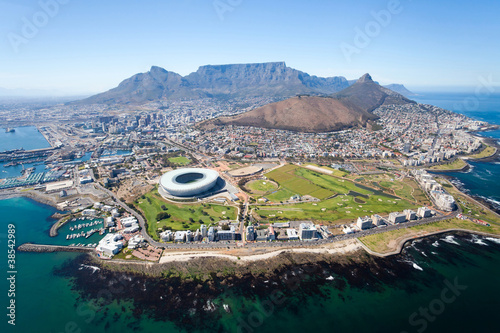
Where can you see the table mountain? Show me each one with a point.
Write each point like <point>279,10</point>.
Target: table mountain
<point>273,79</point>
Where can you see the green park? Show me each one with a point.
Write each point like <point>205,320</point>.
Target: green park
<point>337,199</point>
<point>161,214</point>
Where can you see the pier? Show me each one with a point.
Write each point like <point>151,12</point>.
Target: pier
<point>29,247</point>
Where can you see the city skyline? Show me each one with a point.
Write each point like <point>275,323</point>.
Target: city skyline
<point>76,48</point>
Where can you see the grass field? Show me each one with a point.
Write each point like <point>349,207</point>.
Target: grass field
<point>456,164</point>
<point>335,172</point>
<point>292,181</point>
<point>180,160</point>
<point>388,241</point>
<point>181,213</point>
<point>406,188</point>
<point>281,195</point>
<point>125,254</point>
<point>260,186</point>
<point>343,207</point>
<point>487,152</point>
<point>297,180</point>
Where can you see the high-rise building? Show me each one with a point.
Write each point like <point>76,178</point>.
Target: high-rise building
<point>364,223</point>
<point>307,231</point>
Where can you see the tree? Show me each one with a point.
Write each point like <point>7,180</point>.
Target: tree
<point>162,216</point>
<point>225,227</point>
<point>164,207</point>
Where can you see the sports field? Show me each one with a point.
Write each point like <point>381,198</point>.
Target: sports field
<point>261,186</point>
<point>180,160</point>
<point>392,183</point>
<point>340,209</point>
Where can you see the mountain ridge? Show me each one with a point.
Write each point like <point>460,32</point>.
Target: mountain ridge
<point>271,79</point>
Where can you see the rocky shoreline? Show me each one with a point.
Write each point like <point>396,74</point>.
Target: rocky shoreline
<point>188,293</point>
<point>466,192</point>
<point>195,295</point>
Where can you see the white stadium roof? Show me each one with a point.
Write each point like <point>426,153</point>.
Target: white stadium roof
<point>188,182</point>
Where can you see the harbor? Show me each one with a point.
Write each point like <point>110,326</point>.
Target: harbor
<point>82,232</point>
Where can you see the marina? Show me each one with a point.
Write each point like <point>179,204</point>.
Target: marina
<point>82,232</point>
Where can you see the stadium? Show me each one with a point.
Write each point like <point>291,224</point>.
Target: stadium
<point>188,182</point>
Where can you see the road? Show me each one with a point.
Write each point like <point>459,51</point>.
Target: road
<point>338,238</point>
<point>229,245</point>
<point>138,216</point>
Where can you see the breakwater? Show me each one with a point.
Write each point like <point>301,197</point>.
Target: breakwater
<point>29,247</point>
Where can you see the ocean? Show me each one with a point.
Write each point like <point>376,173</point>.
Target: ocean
<point>481,179</point>
<point>439,284</point>
<point>26,137</point>
<point>363,299</point>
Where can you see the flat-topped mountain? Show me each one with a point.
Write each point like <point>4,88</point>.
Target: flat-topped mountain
<point>273,79</point>
<point>351,107</point>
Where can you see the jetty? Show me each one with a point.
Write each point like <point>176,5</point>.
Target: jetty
<point>29,247</point>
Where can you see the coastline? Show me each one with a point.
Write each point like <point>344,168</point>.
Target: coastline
<point>462,169</point>
<point>492,142</point>
<point>239,256</point>
<point>28,194</point>
<point>403,242</point>
<point>479,200</point>
<point>175,291</point>
<point>487,141</point>
<point>248,256</point>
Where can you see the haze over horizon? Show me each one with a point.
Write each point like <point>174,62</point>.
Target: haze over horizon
<point>84,48</point>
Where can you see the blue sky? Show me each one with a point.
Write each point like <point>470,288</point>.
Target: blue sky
<point>90,46</point>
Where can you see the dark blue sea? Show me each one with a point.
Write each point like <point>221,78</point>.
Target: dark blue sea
<point>483,178</point>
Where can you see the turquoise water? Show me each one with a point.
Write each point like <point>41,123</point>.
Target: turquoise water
<point>46,302</point>
<point>360,299</point>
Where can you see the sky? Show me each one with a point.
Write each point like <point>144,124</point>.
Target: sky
<point>83,47</point>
